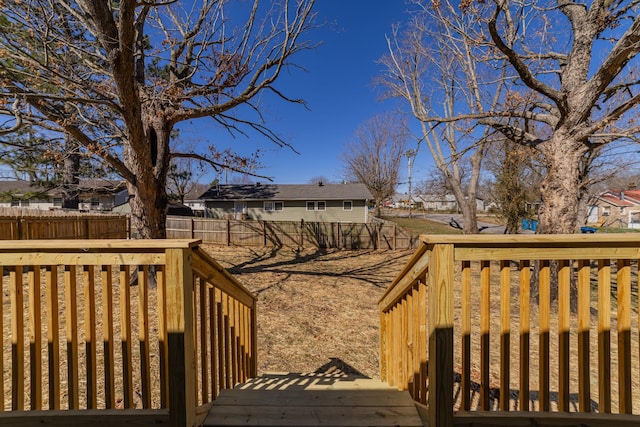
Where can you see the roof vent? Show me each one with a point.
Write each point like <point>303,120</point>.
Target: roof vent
<point>320,183</point>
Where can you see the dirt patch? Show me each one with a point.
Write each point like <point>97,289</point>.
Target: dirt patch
<point>316,309</point>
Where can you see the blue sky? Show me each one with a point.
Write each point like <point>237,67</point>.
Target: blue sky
<point>338,89</point>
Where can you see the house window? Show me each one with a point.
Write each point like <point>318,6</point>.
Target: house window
<point>95,203</point>
<point>317,206</point>
<point>606,210</point>
<point>57,202</point>
<point>273,206</point>
<point>15,202</point>
<point>24,203</point>
<point>622,210</point>
<point>347,205</point>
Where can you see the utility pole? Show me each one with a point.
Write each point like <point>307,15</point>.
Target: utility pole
<point>409,154</point>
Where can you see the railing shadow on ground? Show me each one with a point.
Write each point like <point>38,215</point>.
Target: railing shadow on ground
<point>284,262</point>
<point>514,398</point>
<point>332,372</point>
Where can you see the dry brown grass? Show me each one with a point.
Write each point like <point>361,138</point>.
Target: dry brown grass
<point>315,307</point>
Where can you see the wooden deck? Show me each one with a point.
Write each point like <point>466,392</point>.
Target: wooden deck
<point>313,400</point>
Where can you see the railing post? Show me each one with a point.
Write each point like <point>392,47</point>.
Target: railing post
<point>440,324</point>
<point>180,337</point>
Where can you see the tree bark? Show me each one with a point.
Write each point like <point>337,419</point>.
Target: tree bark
<point>148,194</point>
<point>71,174</point>
<point>561,187</point>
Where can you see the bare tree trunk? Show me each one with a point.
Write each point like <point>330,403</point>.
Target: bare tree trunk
<point>71,174</point>
<point>149,200</point>
<point>560,189</point>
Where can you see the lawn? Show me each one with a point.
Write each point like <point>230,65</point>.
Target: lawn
<point>423,226</point>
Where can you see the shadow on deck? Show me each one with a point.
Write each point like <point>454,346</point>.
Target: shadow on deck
<point>328,397</point>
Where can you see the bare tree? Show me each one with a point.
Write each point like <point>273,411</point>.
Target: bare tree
<point>374,156</point>
<point>571,79</point>
<point>435,68</point>
<point>120,76</point>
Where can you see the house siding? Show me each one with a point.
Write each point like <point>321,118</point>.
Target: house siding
<point>293,210</point>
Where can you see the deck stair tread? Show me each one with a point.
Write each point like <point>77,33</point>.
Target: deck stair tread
<point>313,400</point>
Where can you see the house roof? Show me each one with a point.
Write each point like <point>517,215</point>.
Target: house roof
<point>287,192</point>
<point>621,198</point>
<point>92,186</point>
<point>20,187</point>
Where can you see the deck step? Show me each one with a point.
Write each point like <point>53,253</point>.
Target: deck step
<point>313,400</point>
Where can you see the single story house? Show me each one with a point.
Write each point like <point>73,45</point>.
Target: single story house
<point>431,202</point>
<point>289,202</point>
<point>95,195</point>
<point>619,208</point>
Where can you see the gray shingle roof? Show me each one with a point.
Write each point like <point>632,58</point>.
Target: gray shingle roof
<point>287,192</point>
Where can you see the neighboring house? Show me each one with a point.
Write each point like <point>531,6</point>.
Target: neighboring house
<point>403,201</point>
<point>289,202</point>
<point>432,202</point>
<point>95,195</point>
<point>174,208</point>
<point>618,208</point>
<point>191,199</point>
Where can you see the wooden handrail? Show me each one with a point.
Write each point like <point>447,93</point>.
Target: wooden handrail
<point>458,274</point>
<point>176,328</point>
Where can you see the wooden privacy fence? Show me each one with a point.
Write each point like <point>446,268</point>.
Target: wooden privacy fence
<point>383,235</point>
<point>155,328</point>
<point>64,227</point>
<point>478,327</point>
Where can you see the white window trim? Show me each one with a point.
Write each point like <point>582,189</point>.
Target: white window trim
<point>312,204</point>
<point>350,205</point>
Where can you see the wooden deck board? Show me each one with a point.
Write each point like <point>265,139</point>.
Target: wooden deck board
<point>313,400</point>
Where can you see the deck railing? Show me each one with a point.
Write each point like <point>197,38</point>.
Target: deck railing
<point>490,327</point>
<point>155,328</point>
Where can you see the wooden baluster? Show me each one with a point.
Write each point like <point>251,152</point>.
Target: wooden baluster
<point>423,341</point>
<point>228,368</point>
<point>416,341</point>
<point>35,341</point>
<point>162,336</point>
<point>624,336</point>
<point>53,341</point>
<point>505,334</point>
<point>107,337</point>
<point>143,334</point>
<point>71,308</point>
<point>564,325</point>
<point>91,358</point>
<point>466,336</point>
<point>125,333</point>
<point>17,338</point>
<point>584,323</point>
<point>221,340</point>
<point>204,365</point>
<point>604,336</point>
<point>213,342</point>
<point>485,333</point>
<point>525,331</point>
<point>544,276</point>
<point>408,342</point>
